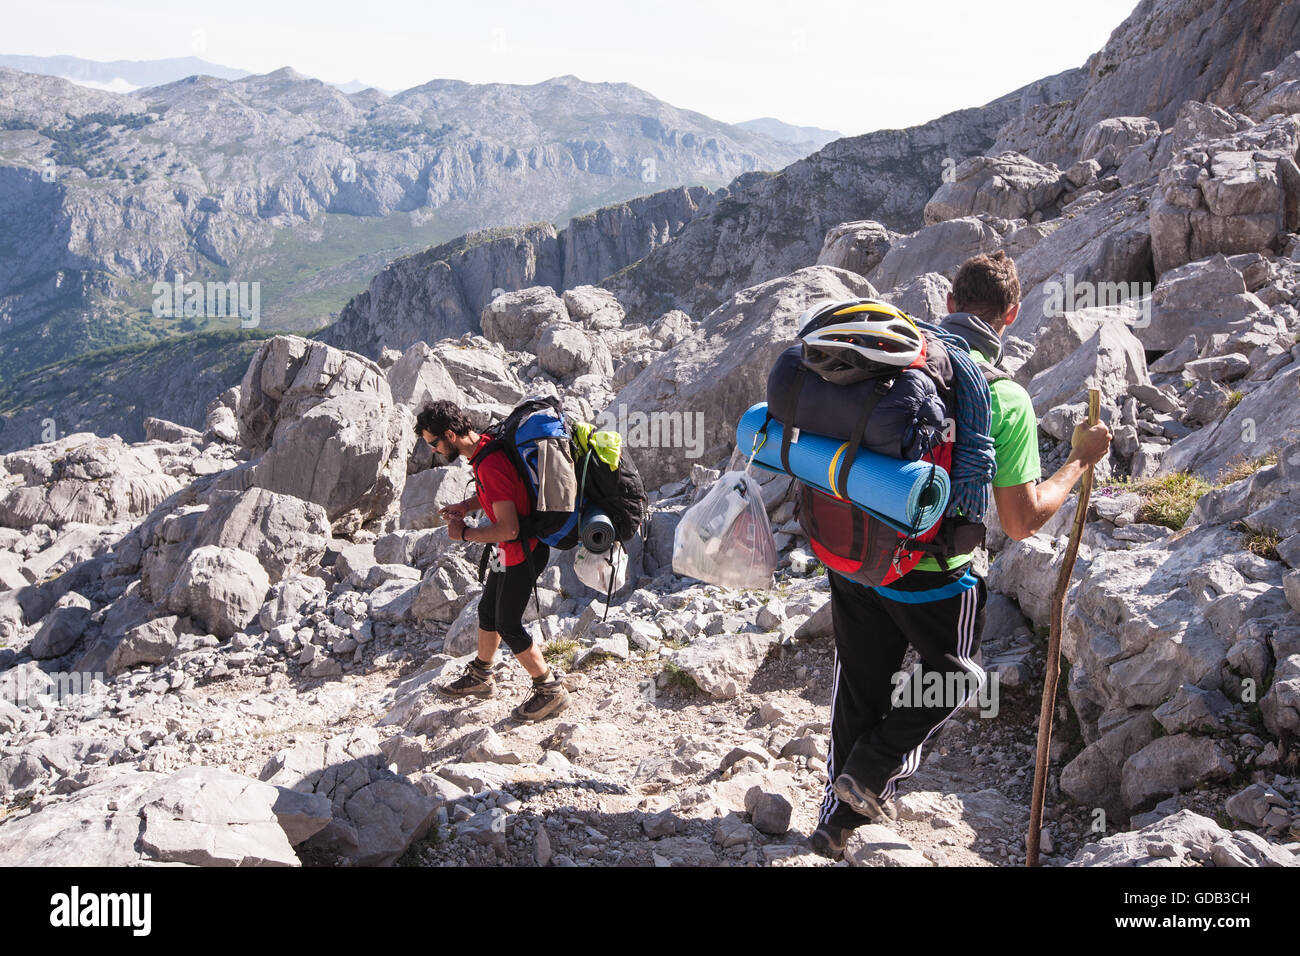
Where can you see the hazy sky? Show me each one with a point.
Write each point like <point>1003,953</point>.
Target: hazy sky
<point>838,64</point>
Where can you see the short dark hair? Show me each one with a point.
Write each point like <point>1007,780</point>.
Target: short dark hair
<point>987,286</point>
<point>442,416</point>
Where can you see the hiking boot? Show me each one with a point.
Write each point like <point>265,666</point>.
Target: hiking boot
<point>860,798</point>
<point>475,681</point>
<point>548,698</point>
<point>829,841</point>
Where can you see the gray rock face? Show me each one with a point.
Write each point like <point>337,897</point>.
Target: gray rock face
<point>516,319</point>
<point>1166,52</point>
<point>377,814</point>
<point>1281,705</point>
<point>1095,256</point>
<point>1231,195</point>
<point>1006,186</point>
<point>84,479</point>
<point>1251,805</point>
<point>290,375</point>
<point>758,228</point>
<point>566,351</point>
<point>427,491</point>
<point>149,643</point>
<point>944,246</point>
<point>419,378</point>
<point>347,454</point>
<point>444,291</point>
<point>1263,421</point>
<point>1170,765</point>
<point>925,297</point>
<point>1109,141</point>
<point>283,535</point>
<point>445,590</point>
<point>1276,91</point>
<point>61,628</point>
<point>1184,839</point>
<point>200,816</point>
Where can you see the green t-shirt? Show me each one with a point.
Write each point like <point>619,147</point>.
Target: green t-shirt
<point>1015,446</point>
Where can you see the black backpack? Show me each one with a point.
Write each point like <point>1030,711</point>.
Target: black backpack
<point>617,491</point>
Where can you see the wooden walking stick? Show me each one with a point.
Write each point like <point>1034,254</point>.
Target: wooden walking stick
<point>1053,669</point>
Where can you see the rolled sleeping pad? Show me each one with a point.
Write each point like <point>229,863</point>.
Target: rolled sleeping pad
<point>903,494</point>
<point>597,531</point>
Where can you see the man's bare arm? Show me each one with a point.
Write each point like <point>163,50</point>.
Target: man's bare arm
<point>1023,509</point>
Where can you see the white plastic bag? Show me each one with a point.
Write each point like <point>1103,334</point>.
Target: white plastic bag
<point>725,538</point>
<point>594,570</point>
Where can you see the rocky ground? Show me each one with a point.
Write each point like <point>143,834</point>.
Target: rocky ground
<point>221,646</point>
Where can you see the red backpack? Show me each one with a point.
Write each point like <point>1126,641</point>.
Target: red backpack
<point>862,547</point>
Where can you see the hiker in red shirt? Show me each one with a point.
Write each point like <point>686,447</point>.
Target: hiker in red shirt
<point>503,497</point>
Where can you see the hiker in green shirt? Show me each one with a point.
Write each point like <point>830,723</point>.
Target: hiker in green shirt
<point>877,727</point>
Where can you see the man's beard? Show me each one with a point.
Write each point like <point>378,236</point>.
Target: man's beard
<point>455,453</point>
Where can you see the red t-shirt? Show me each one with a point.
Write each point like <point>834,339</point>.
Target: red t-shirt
<point>498,481</point>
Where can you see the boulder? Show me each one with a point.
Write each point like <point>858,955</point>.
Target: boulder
<point>593,307</point>
<point>723,665</point>
<point>347,454</point>
<point>376,813</point>
<point>1277,91</point>
<point>943,246</point>
<point>61,628</point>
<point>445,590</point>
<point>1198,298</point>
<point>419,378</point>
<point>427,491</point>
<point>159,429</point>
<point>221,588</point>
<point>83,479</point>
<point>566,351</point>
<point>856,246</point>
<point>290,375</point>
<point>1280,707</point>
<point>1109,141</point>
<point>1111,359</point>
<point>1008,186</point>
<point>197,816</point>
<point>286,534</point>
<point>1183,839</point>
<point>152,642</point>
<point>925,297</point>
<point>515,319</point>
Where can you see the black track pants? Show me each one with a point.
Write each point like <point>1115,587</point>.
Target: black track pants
<point>505,598</point>
<point>879,722</point>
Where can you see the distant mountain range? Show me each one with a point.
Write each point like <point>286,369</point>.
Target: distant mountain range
<point>776,129</point>
<point>289,186</point>
<point>127,76</point>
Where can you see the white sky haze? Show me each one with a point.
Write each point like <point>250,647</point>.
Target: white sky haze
<point>850,66</point>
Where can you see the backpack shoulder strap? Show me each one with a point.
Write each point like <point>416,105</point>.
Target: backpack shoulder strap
<point>991,372</point>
